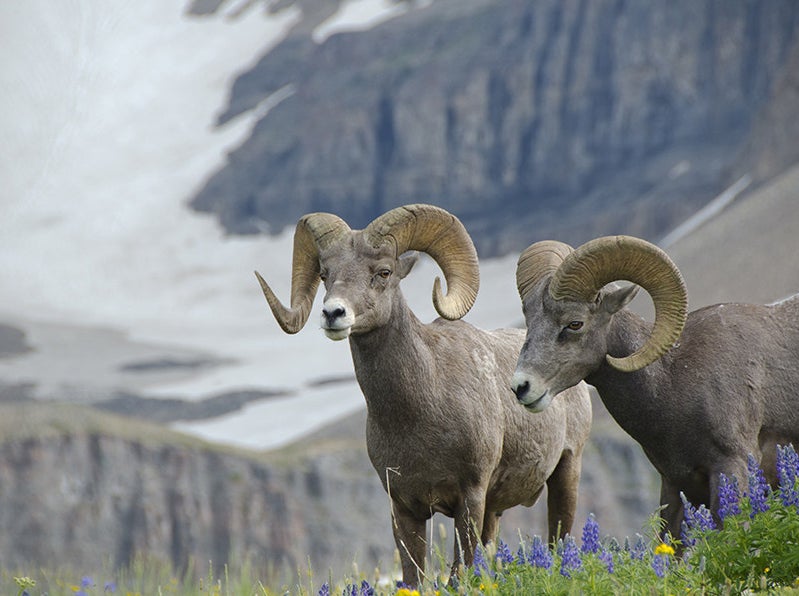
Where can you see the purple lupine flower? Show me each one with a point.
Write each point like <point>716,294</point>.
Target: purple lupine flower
<point>479,564</point>
<point>540,555</point>
<point>787,473</point>
<point>591,536</point>
<point>729,496</point>
<point>503,552</point>
<point>699,520</point>
<point>689,511</point>
<point>570,557</point>
<point>613,545</point>
<point>607,558</point>
<point>758,488</point>
<point>324,590</point>
<point>521,557</point>
<point>85,582</point>
<point>659,565</point>
<point>704,519</point>
<point>110,587</point>
<point>355,590</point>
<point>685,535</point>
<point>688,521</point>
<point>638,550</point>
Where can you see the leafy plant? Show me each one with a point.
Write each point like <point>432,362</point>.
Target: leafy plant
<point>758,545</point>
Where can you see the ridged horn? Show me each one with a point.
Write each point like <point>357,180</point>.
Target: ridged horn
<point>441,235</point>
<point>603,260</point>
<point>314,233</point>
<point>538,261</point>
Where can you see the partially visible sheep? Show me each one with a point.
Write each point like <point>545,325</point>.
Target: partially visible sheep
<point>698,407</point>
<point>443,431</point>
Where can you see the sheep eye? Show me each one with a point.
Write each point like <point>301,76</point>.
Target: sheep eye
<point>575,326</point>
<point>384,273</point>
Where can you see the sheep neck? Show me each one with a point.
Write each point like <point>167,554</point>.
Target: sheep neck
<point>635,400</point>
<point>390,362</point>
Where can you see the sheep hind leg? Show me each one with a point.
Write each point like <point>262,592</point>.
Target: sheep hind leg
<point>490,527</point>
<point>562,487</point>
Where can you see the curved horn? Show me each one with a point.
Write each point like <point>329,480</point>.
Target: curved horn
<point>441,235</point>
<point>314,233</point>
<point>603,260</point>
<point>538,261</point>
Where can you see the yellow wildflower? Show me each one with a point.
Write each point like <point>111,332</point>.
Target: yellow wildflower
<point>664,549</point>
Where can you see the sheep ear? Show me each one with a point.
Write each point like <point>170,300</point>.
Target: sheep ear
<point>406,262</point>
<point>614,300</point>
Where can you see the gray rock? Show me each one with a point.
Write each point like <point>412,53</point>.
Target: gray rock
<point>528,120</point>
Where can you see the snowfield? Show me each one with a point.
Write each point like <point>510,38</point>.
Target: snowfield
<point>107,128</point>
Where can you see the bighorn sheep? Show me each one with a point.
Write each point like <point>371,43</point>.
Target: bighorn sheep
<point>443,431</point>
<point>698,407</point>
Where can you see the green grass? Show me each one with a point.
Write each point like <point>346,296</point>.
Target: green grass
<point>758,555</point>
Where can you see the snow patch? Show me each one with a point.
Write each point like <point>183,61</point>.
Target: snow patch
<point>108,114</point>
<point>358,15</point>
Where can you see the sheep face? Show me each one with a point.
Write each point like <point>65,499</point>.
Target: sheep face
<point>362,284</point>
<point>566,341</point>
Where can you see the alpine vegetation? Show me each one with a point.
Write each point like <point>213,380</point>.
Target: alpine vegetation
<point>757,546</point>
<point>700,392</point>
<point>443,431</point>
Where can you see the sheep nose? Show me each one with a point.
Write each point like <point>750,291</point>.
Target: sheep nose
<point>333,313</point>
<point>521,389</point>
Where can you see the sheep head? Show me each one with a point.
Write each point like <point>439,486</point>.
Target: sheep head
<point>359,266</point>
<point>568,310</point>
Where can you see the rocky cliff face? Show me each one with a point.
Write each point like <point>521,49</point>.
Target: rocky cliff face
<point>772,146</point>
<point>83,488</point>
<point>558,118</point>
<point>80,488</point>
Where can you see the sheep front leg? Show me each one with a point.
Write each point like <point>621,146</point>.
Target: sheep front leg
<point>562,487</point>
<point>468,522</point>
<point>671,507</point>
<point>409,535</point>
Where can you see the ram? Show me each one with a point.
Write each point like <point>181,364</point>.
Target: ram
<point>699,392</point>
<point>443,431</point>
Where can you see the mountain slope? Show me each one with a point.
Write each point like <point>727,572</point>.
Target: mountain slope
<point>749,252</point>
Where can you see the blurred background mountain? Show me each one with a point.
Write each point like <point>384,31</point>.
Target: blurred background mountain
<point>526,119</point>
<point>568,119</point>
